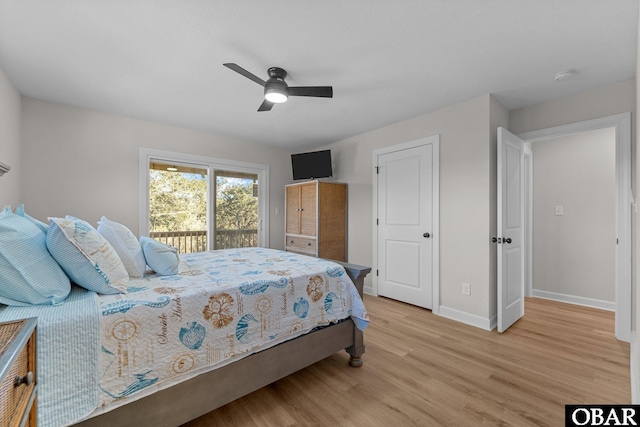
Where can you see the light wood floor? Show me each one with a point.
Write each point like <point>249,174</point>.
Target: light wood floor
<point>424,370</point>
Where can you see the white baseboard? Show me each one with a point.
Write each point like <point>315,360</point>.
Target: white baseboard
<point>369,290</point>
<point>572,299</point>
<point>469,319</point>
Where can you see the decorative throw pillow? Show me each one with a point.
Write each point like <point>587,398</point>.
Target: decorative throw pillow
<point>162,259</point>
<point>126,245</point>
<point>28,273</point>
<point>87,257</point>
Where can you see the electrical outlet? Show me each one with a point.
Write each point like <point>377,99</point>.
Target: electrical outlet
<point>466,289</point>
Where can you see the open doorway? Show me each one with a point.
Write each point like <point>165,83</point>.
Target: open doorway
<point>573,218</point>
<point>620,239</point>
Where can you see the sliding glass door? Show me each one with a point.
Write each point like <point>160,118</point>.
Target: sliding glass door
<point>236,210</point>
<point>178,205</point>
<point>197,203</point>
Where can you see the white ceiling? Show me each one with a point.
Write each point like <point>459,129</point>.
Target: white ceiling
<point>161,60</point>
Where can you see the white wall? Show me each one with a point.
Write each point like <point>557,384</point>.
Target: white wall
<point>574,254</point>
<point>465,196</point>
<point>85,163</point>
<point>9,141</point>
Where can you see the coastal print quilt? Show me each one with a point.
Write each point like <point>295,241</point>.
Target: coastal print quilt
<point>223,305</point>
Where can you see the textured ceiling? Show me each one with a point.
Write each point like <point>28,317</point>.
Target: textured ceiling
<point>161,60</point>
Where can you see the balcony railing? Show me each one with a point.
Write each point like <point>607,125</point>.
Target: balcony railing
<point>196,240</point>
<point>226,239</point>
<point>185,241</point>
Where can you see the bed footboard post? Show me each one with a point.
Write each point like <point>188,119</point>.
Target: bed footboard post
<point>357,273</point>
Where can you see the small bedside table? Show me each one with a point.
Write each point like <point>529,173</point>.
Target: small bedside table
<point>18,373</point>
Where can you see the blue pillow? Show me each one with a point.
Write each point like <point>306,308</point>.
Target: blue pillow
<point>87,257</point>
<point>162,259</point>
<point>28,273</point>
<point>41,225</point>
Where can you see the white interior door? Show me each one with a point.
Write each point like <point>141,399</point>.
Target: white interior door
<point>510,239</point>
<point>406,225</point>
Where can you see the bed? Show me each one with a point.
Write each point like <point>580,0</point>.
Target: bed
<point>273,312</point>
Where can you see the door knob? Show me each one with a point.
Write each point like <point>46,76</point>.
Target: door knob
<point>426,235</point>
<point>496,240</point>
<point>507,240</point>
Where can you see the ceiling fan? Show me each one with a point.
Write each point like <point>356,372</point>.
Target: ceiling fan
<point>276,89</point>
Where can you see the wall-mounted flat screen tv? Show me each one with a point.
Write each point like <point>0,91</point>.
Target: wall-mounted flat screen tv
<point>316,164</point>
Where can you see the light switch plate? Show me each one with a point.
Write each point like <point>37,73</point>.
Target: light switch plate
<point>559,210</point>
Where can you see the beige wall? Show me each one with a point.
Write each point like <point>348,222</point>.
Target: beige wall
<point>10,189</point>
<point>85,163</point>
<point>465,195</point>
<point>591,104</point>
<point>574,254</point>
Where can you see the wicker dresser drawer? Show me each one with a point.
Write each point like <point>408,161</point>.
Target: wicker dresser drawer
<point>301,244</point>
<point>18,373</point>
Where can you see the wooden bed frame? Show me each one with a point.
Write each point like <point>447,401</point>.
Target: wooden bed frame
<point>193,398</point>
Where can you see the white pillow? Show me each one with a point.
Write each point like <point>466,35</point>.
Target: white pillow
<point>126,245</point>
<point>87,257</point>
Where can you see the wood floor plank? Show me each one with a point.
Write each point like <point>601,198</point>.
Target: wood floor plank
<point>424,370</point>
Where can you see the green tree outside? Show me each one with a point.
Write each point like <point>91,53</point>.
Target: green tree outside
<point>178,202</point>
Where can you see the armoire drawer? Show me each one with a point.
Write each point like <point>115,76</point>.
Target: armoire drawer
<point>305,244</point>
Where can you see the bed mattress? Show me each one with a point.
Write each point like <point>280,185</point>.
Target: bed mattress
<point>223,305</point>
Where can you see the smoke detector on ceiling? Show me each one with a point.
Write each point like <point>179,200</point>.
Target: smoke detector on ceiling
<point>565,75</point>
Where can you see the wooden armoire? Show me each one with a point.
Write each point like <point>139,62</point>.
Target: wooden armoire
<point>316,219</point>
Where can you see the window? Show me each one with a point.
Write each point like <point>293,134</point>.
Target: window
<point>198,203</point>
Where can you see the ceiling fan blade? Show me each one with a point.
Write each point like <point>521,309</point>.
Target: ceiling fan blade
<point>319,91</point>
<point>265,106</point>
<point>238,69</point>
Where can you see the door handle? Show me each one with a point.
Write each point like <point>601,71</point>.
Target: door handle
<point>507,240</point>
<point>426,235</point>
<point>496,240</point>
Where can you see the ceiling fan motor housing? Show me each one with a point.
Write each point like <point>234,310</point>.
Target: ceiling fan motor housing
<point>277,72</point>
<point>276,83</point>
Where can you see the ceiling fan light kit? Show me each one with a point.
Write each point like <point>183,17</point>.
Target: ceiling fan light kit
<point>276,90</point>
<point>275,95</point>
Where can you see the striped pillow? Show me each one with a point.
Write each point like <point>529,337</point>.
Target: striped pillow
<point>162,259</point>
<point>41,225</point>
<point>87,257</point>
<point>28,273</point>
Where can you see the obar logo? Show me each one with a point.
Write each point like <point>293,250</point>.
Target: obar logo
<point>602,415</point>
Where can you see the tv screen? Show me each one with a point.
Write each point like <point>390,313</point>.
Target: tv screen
<point>316,164</point>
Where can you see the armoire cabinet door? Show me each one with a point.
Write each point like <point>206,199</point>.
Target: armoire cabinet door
<point>293,209</point>
<point>308,224</point>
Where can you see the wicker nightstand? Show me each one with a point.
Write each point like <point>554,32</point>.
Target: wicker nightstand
<point>18,373</point>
